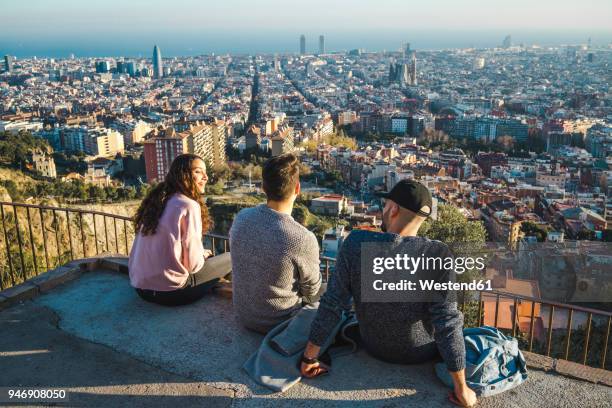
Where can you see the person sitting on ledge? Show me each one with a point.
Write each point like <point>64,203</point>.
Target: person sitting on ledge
<point>275,259</point>
<point>398,332</point>
<point>168,264</point>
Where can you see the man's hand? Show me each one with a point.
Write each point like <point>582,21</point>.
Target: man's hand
<point>313,370</point>
<point>465,396</point>
<point>207,253</point>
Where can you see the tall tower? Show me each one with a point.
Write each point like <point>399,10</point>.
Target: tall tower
<point>406,49</point>
<point>302,44</point>
<point>8,63</point>
<point>413,69</point>
<point>321,44</point>
<point>507,41</point>
<point>158,70</point>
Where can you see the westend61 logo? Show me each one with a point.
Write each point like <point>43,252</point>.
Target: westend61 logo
<point>389,273</point>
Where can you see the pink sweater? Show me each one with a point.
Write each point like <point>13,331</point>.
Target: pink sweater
<point>164,260</point>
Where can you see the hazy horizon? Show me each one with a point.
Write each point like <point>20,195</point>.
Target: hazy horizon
<point>191,27</point>
<point>287,42</point>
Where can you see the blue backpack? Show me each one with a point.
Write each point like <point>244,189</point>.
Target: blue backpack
<point>494,363</point>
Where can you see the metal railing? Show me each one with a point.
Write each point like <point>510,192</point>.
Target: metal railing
<point>37,238</point>
<point>77,233</point>
<point>586,330</point>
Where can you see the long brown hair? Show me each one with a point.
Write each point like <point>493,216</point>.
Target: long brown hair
<point>178,180</point>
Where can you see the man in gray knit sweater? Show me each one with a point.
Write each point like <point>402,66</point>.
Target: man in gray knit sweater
<point>399,332</point>
<point>275,260</point>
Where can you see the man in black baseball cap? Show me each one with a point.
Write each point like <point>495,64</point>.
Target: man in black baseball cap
<point>407,205</point>
<point>405,332</point>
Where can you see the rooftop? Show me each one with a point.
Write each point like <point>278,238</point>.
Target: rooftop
<point>93,336</point>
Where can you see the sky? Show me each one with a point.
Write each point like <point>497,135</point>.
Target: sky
<point>184,27</point>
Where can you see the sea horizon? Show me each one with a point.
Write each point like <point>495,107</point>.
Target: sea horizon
<point>235,42</point>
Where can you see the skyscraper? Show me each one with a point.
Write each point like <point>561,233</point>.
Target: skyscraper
<point>406,49</point>
<point>8,63</point>
<point>102,67</point>
<point>158,70</point>
<point>302,44</point>
<point>507,41</point>
<point>131,68</point>
<point>321,44</point>
<point>413,69</point>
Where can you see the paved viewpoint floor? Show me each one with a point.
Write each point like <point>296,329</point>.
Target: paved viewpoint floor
<point>96,338</point>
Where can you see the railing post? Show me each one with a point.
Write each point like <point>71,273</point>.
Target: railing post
<point>105,234</point>
<point>69,235</point>
<point>32,242</point>
<point>550,328</point>
<point>496,310</point>
<point>95,233</point>
<point>116,236</point>
<point>514,317</point>
<point>83,235</point>
<point>531,325</point>
<point>8,246</point>
<point>57,240</point>
<point>570,314</point>
<point>44,233</point>
<point>23,268</point>
<point>586,339</point>
<point>125,232</point>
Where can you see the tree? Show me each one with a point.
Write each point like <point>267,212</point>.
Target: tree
<point>465,238</point>
<point>452,227</point>
<point>222,172</point>
<point>532,229</point>
<point>215,189</point>
<point>506,142</point>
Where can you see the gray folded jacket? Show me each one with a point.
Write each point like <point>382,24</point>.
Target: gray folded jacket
<point>275,364</point>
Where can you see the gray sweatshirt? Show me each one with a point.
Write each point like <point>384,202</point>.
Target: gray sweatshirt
<point>400,332</point>
<point>275,267</point>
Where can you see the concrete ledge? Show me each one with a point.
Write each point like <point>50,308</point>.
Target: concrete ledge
<point>87,264</point>
<point>3,303</point>
<point>114,262</point>
<point>46,281</point>
<point>539,362</point>
<point>582,372</point>
<point>57,276</point>
<point>569,369</point>
<point>19,293</point>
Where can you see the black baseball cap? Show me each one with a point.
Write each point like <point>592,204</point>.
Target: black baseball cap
<point>411,195</point>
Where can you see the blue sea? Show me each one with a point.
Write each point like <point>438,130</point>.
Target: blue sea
<point>259,42</point>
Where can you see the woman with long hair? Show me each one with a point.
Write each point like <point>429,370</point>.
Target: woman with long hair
<point>168,263</point>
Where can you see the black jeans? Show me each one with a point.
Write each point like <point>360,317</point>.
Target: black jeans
<point>197,285</point>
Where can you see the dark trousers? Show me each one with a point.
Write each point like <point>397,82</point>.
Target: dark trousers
<point>198,283</point>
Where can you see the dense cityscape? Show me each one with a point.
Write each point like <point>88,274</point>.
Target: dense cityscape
<point>510,135</point>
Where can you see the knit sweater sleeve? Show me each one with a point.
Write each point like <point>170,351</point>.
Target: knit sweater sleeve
<point>337,298</point>
<point>307,262</point>
<point>190,224</point>
<point>448,322</point>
